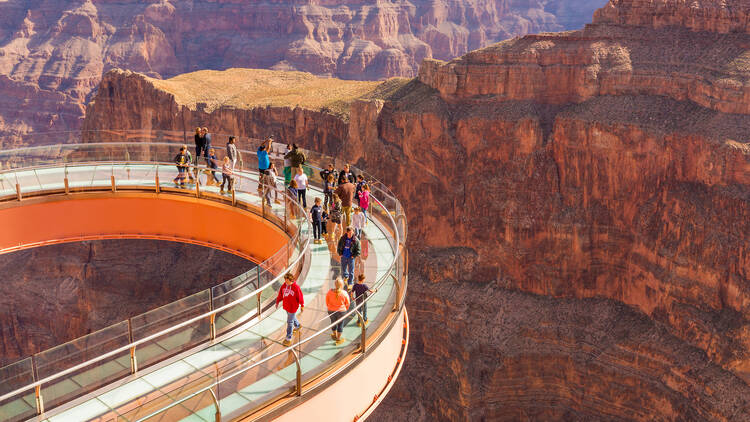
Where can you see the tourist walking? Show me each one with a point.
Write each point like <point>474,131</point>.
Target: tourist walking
<point>345,192</point>
<point>301,179</point>
<point>360,291</point>
<point>288,165</point>
<point>329,186</point>
<point>334,225</point>
<point>292,193</point>
<point>264,161</point>
<point>232,152</point>
<point>364,200</point>
<point>213,164</point>
<point>324,223</point>
<point>291,296</point>
<point>316,215</point>
<point>346,175</point>
<point>200,142</point>
<point>326,172</point>
<point>227,174</point>
<point>348,249</point>
<point>337,303</point>
<point>358,222</point>
<point>271,175</point>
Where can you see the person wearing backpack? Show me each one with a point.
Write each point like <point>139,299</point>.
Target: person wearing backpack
<point>334,217</point>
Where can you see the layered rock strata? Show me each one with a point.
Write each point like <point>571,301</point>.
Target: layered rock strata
<point>579,212</point>
<point>53,54</point>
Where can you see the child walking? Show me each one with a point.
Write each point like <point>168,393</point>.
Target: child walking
<point>226,175</point>
<point>364,200</point>
<point>358,222</point>
<point>360,291</point>
<point>291,296</point>
<point>316,214</point>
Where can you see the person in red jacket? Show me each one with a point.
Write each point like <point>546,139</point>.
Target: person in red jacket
<point>291,295</point>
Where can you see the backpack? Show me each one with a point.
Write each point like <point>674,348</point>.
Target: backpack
<point>335,212</point>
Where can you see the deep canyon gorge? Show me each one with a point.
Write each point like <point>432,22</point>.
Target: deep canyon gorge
<point>53,53</point>
<point>578,204</point>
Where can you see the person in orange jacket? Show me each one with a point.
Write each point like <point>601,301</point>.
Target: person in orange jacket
<point>337,302</point>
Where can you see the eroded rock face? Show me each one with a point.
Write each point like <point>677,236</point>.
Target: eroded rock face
<point>54,294</point>
<point>53,54</point>
<point>579,208</point>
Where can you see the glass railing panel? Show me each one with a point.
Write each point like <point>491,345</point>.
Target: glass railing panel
<point>167,316</point>
<point>240,312</point>
<point>90,377</point>
<point>16,375</point>
<point>166,399</point>
<point>134,175</point>
<point>12,377</point>
<point>19,408</point>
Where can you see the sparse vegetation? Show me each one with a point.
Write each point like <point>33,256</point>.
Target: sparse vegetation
<point>248,88</point>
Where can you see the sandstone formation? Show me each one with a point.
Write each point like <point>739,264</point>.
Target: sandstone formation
<point>53,53</point>
<point>54,294</point>
<point>579,212</point>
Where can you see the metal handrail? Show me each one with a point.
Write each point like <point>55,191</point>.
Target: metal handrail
<point>134,344</point>
<point>355,309</point>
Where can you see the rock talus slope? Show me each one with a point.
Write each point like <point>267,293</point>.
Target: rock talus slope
<point>579,212</point>
<point>53,53</point>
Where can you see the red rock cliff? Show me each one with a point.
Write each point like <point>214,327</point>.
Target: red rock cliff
<point>579,208</point>
<point>54,53</point>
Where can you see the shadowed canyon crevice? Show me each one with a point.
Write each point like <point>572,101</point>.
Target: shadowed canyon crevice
<point>54,294</point>
<point>578,203</point>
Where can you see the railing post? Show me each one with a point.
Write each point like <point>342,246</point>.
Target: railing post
<point>299,372</point>
<point>18,191</point>
<point>67,186</point>
<point>133,361</point>
<point>217,415</point>
<point>114,187</point>
<point>213,326</point>
<point>197,184</point>
<point>234,200</point>
<point>156,179</point>
<point>363,335</point>
<point>39,400</point>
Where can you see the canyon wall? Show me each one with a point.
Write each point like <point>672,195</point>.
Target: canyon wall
<point>53,53</point>
<point>579,214</point>
<point>54,294</point>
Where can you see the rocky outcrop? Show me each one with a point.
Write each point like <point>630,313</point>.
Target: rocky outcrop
<point>54,294</point>
<point>54,53</point>
<point>578,211</point>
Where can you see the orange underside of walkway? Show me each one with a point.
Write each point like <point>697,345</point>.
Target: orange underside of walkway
<point>48,220</point>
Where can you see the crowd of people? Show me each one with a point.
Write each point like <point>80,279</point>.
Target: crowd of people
<point>339,217</point>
